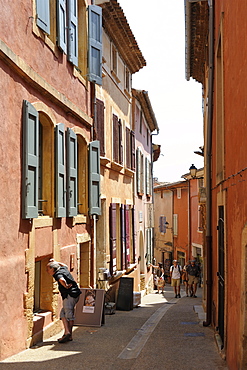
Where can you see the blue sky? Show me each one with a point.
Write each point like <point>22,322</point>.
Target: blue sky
<point>159,29</point>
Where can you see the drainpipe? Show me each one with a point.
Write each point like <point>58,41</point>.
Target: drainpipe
<point>208,168</point>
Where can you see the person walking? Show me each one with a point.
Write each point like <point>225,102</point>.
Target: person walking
<point>70,293</point>
<point>159,279</point>
<point>175,273</point>
<point>185,278</point>
<point>193,271</point>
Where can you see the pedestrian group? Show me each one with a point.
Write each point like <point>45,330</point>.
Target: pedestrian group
<point>190,275</point>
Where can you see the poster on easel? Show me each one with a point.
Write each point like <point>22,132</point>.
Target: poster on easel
<point>89,309</point>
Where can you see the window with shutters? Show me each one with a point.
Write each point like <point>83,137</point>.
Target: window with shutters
<point>82,174</point>
<point>127,81</point>
<point>114,63</point>
<point>100,125</point>
<point>162,224</point>
<point>95,44</point>
<point>140,172</point>
<point>94,178</point>
<point>175,225</point>
<point>128,147</point>
<point>117,141</point>
<point>46,163</point>
<point>148,177</point>
<point>38,163</point>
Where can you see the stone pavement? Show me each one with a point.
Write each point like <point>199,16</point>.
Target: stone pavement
<point>162,333</point>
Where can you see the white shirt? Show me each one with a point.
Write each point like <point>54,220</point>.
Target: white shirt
<point>175,271</point>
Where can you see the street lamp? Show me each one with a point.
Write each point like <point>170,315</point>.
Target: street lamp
<point>193,170</point>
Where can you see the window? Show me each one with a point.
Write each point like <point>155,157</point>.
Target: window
<point>94,178</point>
<point>117,140</point>
<point>82,175</point>
<point>100,125</point>
<point>175,225</point>
<point>148,177</point>
<point>162,224</point>
<point>66,26</point>
<point>179,193</point>
<point>37,179</point>
<point>140,172</point>
<point>95,44</point>
<point>114,60</point>
<point>127,80</point>
<point>69,187</point>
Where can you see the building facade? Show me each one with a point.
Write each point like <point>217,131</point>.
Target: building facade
<point>217,63</point>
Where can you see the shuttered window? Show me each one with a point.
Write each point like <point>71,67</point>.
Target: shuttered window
<point>67,29</point>
<point>133,234</point>
<point>71,173</point>
<point>72,32</point>
<point>175,224</point>
<point>127,234</point>
<point>120,141</point>
<point>30,161</point>
<point>133,156</point>
<point>61,25</point>
<point>100,125</point>
<point>148,177</point>
<point>162,224</point>
<point>95,44</point>
<point>60,172</point>
<point>43,15</point>
<point>127,146</point>
<point>123,237</point>
<point>115,131</point>
<point>113,238</point>
<point>94,178</point>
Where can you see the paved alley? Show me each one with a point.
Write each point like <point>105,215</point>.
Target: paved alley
<point>163,333</point>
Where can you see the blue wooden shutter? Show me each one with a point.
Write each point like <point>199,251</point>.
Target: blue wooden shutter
<point>72,32</point>
<point>71,173</point>
<point>43,15</point>
<point>94,178</point>
<point>95,44</point>
<point>60,172</point>
<point>30,161</point>
<point>61,25</point>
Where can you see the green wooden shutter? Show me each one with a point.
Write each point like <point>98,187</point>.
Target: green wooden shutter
<point>95,44</point>
<point>94,178</point>
<point>61,25</point>
<point>72,32</point>
<point>30,161</point>
<point>115,132</point>
<point>43,15</point>
<point>60,172</point>
<point>71,173</point>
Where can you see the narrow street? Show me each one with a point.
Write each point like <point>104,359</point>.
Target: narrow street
<point>162,333</point>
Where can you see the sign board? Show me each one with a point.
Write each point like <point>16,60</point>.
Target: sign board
<point>89,309</point>
<point>125,294</point>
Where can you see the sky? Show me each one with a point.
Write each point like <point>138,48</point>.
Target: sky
<point>159,29</point>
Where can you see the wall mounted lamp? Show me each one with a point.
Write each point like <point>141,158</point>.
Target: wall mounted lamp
<point>193,170</point>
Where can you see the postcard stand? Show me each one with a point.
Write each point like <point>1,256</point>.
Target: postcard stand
<point>89,310</point>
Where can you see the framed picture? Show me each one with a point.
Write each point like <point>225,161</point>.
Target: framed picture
<point>89,309</point>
